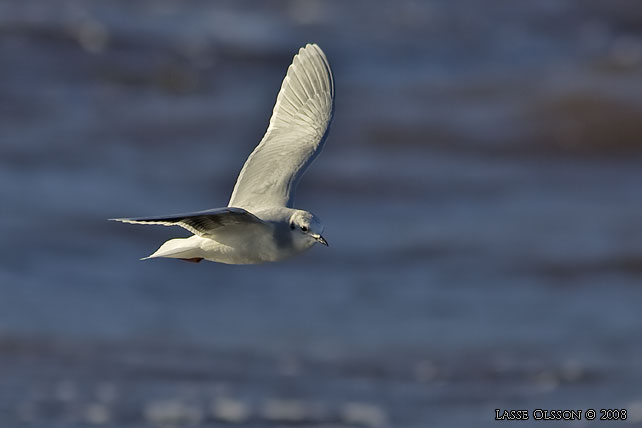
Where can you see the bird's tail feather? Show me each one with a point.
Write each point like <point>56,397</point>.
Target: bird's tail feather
<point>179,248</point>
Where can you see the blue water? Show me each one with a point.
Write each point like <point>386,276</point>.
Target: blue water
<point>480,190</point>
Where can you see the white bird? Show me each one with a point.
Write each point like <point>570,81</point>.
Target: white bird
<point>260,224</point>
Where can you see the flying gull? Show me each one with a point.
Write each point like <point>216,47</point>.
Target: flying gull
<point>260,223</point>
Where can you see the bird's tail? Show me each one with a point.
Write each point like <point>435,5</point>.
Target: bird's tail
<point>179,248</point>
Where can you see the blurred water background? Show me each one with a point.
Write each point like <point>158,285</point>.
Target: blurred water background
<point>481,191</point>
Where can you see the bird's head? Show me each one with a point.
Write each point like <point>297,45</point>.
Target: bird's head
<point>307,228</point>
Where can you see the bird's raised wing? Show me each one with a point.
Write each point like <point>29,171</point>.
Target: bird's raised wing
<point>295,136</point>
<point>206,224</point>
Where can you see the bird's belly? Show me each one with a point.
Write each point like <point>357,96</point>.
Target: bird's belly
<point>260,249</point>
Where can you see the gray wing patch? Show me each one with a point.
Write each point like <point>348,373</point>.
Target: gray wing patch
<point>201,223</point>
<point>295,135</point>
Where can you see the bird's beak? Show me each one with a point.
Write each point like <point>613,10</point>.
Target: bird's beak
<point>321,239</point>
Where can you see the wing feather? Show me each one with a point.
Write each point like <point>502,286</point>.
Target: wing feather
<point>295,136</point>
<point>205,224</point>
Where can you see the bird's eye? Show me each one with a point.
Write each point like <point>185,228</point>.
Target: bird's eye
<point>292,226</point>
<point>304,229</point>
